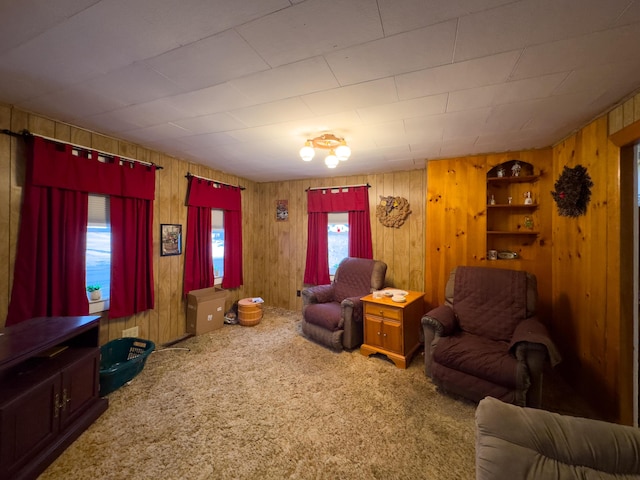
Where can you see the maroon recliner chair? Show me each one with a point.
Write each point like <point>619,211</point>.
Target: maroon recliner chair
<point>486,339</point>
<point>332,314</point>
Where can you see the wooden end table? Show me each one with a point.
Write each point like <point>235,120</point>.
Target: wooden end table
<point>392,328</point>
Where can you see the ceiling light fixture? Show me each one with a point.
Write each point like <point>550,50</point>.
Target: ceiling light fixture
<point>338,149</point>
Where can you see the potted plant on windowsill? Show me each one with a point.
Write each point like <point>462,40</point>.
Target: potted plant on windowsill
<point>94,292</point>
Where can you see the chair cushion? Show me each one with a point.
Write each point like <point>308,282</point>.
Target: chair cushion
<point>327,315</point>
<point>353,278</point>
<point>468,386</point>
<point>478,356</point>
<point>490,302</point>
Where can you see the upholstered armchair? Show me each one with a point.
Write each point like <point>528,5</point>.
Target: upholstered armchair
<point>527,444</point>
<point>332,314</point>
<point>486,339</point>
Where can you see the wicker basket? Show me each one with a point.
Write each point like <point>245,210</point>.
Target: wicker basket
<point>121,360</point>
<point>249,313</point>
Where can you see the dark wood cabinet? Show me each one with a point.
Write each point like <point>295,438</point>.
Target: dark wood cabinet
<point>49,390</point>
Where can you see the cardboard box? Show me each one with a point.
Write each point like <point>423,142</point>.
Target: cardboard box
<point>205,310</point>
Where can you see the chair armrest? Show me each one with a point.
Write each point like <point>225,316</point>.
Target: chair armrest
<point>533,331</point>
<point>351,322</point>
<point>515,442</point>
<point>352,309</point>
<point>317,294</point>
<point>441,319</point>
<point>533,355</point>
<point>436,323</point>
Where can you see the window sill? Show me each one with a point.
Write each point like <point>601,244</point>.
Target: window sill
<point>98,306</point>
<point>217,281</point>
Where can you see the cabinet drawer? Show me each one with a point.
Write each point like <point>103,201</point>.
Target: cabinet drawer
<point>382,311</point>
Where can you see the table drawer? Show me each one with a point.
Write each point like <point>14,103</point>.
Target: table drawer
<point>382,311</point>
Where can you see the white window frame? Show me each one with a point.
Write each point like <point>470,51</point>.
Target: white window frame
<point>98,213</point>
<point>340,218</point>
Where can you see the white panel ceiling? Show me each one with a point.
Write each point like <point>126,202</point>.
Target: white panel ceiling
<point>239,86</point>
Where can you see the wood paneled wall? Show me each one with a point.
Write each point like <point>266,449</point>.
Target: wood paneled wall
<point>589,265</point>
<point>623,117</point>
<point>281,247</point>
<point>167,321</point>
<point>457,222</point>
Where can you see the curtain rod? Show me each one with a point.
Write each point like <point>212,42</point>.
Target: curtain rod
<point>189,174</point>
<point>27,133</point>
<point>338,186</point>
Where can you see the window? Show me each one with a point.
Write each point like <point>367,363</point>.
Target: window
<point>98,255</point>
<point>217,244</point>
<point>338,239</point>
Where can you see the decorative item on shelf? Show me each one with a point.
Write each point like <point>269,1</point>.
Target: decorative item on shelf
<point>515,169</point>
<point>339,151</point>
<point>492,200</point>
<point>94,292</point>
<point>492,255</point>
<point>572,191</point>
<point>501,172</point>
<point>528,223</point>
<point>507,255</point>
<point>509,200</point>
<point>527,198</point>
<point>393,211</point>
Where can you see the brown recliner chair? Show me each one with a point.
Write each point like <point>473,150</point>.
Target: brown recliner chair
<point>486,339</point>
<point>332,314</point>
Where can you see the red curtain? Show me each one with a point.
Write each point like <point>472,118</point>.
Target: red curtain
<point>360,234</point>
<point>49,277</point>
<point>316,271</point>
<point>208,194</point>
<point>339,199</point>
<point>198,261</point>
<point>50,267</point>
<point>354,200</point>
<point>55,165</point>
<point>232,249</point>
<point>131,256</point>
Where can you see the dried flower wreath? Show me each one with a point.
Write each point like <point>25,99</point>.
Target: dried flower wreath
<point>392,211</point>
<point>572,191</point>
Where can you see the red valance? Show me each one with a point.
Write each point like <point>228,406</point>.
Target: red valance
<point>339,199</point>
<point>55,165</point>
<point>207,193</point>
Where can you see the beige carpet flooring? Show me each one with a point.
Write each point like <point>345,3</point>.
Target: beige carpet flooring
<point>263,402</point>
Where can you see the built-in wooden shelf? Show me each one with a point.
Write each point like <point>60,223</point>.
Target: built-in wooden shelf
<point>522,179</point>
<point>514,205</point>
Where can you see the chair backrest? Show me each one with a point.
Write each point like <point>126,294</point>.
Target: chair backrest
<point>358,277</point>
<point>490,302</point>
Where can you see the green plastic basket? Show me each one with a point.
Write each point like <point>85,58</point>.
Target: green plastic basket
<point>121,360</point>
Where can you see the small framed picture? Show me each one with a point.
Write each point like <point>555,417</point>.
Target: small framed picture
<point>170,239</point>
<point>282,210</point>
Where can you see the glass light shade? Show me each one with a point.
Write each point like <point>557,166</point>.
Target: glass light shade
<point>343,152</point>
<point>331,161</point>
<point>307,152</point>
